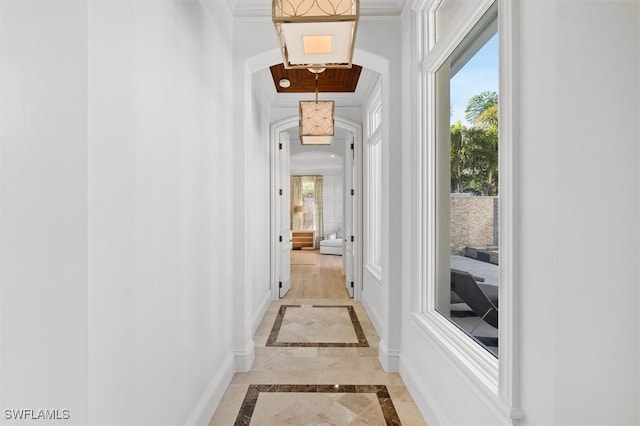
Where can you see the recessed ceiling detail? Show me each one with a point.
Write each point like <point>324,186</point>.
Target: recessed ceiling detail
<point>344,80</point>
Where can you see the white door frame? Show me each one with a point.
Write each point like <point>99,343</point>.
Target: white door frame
<point>356,129</point>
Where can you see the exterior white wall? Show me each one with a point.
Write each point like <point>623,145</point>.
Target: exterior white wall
<point>43,207</point>
<point>577,221</point>
<point>115,268</point>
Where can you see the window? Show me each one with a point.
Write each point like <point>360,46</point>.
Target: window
<point>448,49</point>
<point>309,202</point>
<point>467,213</point>
<point>373,176</point>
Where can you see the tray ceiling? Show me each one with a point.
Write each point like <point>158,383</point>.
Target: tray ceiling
<point>343,80</point>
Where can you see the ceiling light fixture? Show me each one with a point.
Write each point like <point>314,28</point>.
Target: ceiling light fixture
<point>316,119</point>
<point>285,83</point>
<point>316,32</point>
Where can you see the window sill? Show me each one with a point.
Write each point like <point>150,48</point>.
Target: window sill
<point>475,364</point>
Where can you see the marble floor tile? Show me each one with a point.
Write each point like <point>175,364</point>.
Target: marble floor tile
<point>317,385</point>
<point>317,325</point>
<point>299,409</point>
<point>274,404</point>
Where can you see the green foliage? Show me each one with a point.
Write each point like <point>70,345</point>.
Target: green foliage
<point>482,110</point>
<point>474,150</point>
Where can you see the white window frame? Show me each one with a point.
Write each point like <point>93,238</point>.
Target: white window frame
<point>373,201</point>
<point>495,380</point>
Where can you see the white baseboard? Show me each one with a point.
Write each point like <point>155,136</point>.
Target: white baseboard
<point>373,316</point>
<point>389,359</point>
<point>212,395</point>
<point>420,393</point>
<point>243,360</point>
<point>262,309</point>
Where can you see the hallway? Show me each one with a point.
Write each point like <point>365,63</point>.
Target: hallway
<point>312,346</point>
<point>316,276</point>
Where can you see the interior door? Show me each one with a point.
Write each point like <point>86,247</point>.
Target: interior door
<point>283,214</point>
<point>349,211</point>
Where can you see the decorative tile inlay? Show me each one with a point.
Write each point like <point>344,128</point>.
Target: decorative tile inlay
<point>356,399</point>
<point>299,329</point>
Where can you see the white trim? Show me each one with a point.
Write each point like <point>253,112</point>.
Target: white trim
<point>422,396</point>
<point>467,354</point>
<point>356,130</point>
<point>375,272</point>
<point>243,360</point>
<point>373,316</point>
<point>509,318</point>
<point>374,125</point>
<point>422,5</point>
<point>456,31</point>
<point>208,402</point>
<point>495,381</point>
<point>389,359</point>
<point>274,140</point>
<point>262,310</point>
<point>462,360</point>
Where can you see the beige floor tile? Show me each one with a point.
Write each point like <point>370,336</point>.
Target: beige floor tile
<point>317,325</point>
<point>316,365</point>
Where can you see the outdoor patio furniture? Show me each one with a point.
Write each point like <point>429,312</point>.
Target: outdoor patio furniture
<point>481,298</point>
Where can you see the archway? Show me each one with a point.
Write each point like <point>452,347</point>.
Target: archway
<point>353,250</point>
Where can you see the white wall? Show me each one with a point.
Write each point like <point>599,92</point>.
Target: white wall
<point>381,37</point>
<point>333,204</point>
<point>249,164</point>
<point>577,222</point>
<point>160,214</point>
<point>257,191</point>
<point>593,381</point>
<point>115,269</point>
<point>43,207</point>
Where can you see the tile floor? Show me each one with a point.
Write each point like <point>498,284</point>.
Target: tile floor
<point>316,382</point>
<point>317,326</point>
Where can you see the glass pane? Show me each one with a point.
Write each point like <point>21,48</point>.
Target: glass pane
<point>309,201</point>
<point>467,254</point>
<point>308,184</point>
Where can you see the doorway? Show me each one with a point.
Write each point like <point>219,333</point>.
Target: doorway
<point>330,266</point>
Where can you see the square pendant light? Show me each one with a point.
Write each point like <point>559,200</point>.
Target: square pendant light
<point>316,32</point>
<point>316,122</point>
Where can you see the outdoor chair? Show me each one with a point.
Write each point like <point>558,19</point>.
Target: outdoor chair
<point>481,298</point>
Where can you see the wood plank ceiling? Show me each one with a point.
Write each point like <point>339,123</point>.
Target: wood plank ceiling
<point>342,80</point>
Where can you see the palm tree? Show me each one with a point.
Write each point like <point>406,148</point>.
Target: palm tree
<point>459,156</point>
<point>474,150</point>
<point>482,110</point>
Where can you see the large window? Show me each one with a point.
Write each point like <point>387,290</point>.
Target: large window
<point>309,202</point>
<point>373,183</point>
<point>465,197</point>
<point>467,216</point>
<point>306,204</point>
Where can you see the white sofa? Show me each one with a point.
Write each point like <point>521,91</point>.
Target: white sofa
<point>332,246</point>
